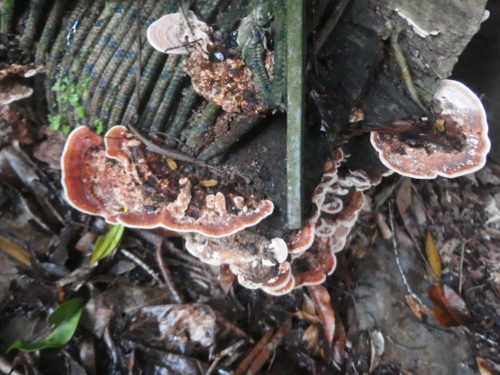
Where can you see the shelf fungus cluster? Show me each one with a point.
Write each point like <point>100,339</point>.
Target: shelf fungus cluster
<point>222,80</point>
<point>457,144</point>
<point>14,84</point>
<point>117,177</point>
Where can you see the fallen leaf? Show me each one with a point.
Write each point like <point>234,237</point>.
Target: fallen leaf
<point>107,243</point>
<point>15,251</point>
<point>311,338</point>
<point>64,321</point>
<point>243,366</point>
<point>448,302</point>
<point>404,203</point>
<point>483,366</point>
<point>226,278</point>
<point>339,341</point>
<point>416,306</point>
<point>432,254</point>
<point>209,183</point>
<point>325,310</point>
<point>377,344</point>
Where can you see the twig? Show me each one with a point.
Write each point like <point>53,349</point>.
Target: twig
<point>396,254</point>
<point>269,348</point>
<point>139,62</point>
<point>405,70</point>
<point>141,264</point>
<point>167,276</point>
<point>7,368</point>
<point>461,271</point>
<point>228,351</point>
<point>253,353</point>
<point>330,24</point>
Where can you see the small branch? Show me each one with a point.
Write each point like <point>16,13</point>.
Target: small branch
<point>396,254</point>
<point>167,276</point>
<point>405,70</point>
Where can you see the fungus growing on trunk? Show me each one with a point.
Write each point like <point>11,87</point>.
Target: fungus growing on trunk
<point>179,34</point>
<point>256,261</point>
<point>125,183</point>
<point>227,83</point>
<point>12,91</point>
<point>460,120</point>
<point>337,201</point>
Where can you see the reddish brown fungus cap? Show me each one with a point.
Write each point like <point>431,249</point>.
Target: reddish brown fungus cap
<point>120,180</point>
<point>458,103</point>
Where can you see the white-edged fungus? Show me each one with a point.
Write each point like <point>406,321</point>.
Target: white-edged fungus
<point>179,34</point>
<point>460,113</point>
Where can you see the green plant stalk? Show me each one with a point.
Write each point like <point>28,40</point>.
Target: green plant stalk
<point>159,90</point>
<point>148,80</point>
<point>295,109</point>
<point>122,60</point>
<point>405,70</point>
<point>90,40</point>
<point>49,30</point>
<point>171,94</point>
<point>239,126</point>
<point>200,125</point>
<point>57,51</point>
<point>99,45</point>
<point>7,8</point>
<point>278,83</point>
<point>26,41</point>
<point>111,46</point>
<point>82,32</point>
<point>126,80</point>
<point>184,110</point>
<point>125,94</point>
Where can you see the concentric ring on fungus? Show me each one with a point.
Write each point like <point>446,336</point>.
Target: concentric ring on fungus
<point>463,107</point>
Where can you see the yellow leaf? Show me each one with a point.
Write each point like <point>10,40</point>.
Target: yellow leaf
<point>433,255</point>
<point>209,183</point>
<point>15,251</point>
<point>172,163</point>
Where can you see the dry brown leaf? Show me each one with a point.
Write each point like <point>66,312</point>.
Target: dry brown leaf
<point>433,256</point>
<point>323,304</point>
<point>404,202</point>
<point>416,306</point>
<point>311,338</point>
<point>449,308</point>
<point>483,366</point>
<point>339,341</point>
<point>226,278</point>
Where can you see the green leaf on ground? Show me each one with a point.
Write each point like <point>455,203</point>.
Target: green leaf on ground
<point>107,243</point>
<point>63,320</point>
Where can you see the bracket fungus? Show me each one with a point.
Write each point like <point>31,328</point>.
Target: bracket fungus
<point>337,201</point>
<point>179,34</point>
<point>227,82</point>
<point>256,261</point>
<point>119,179</point>
<point>461,116</point>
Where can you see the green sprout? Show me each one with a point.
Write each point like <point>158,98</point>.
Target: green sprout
<point>107,243</point>
<point>63,320</point>
<point>70,95</point>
